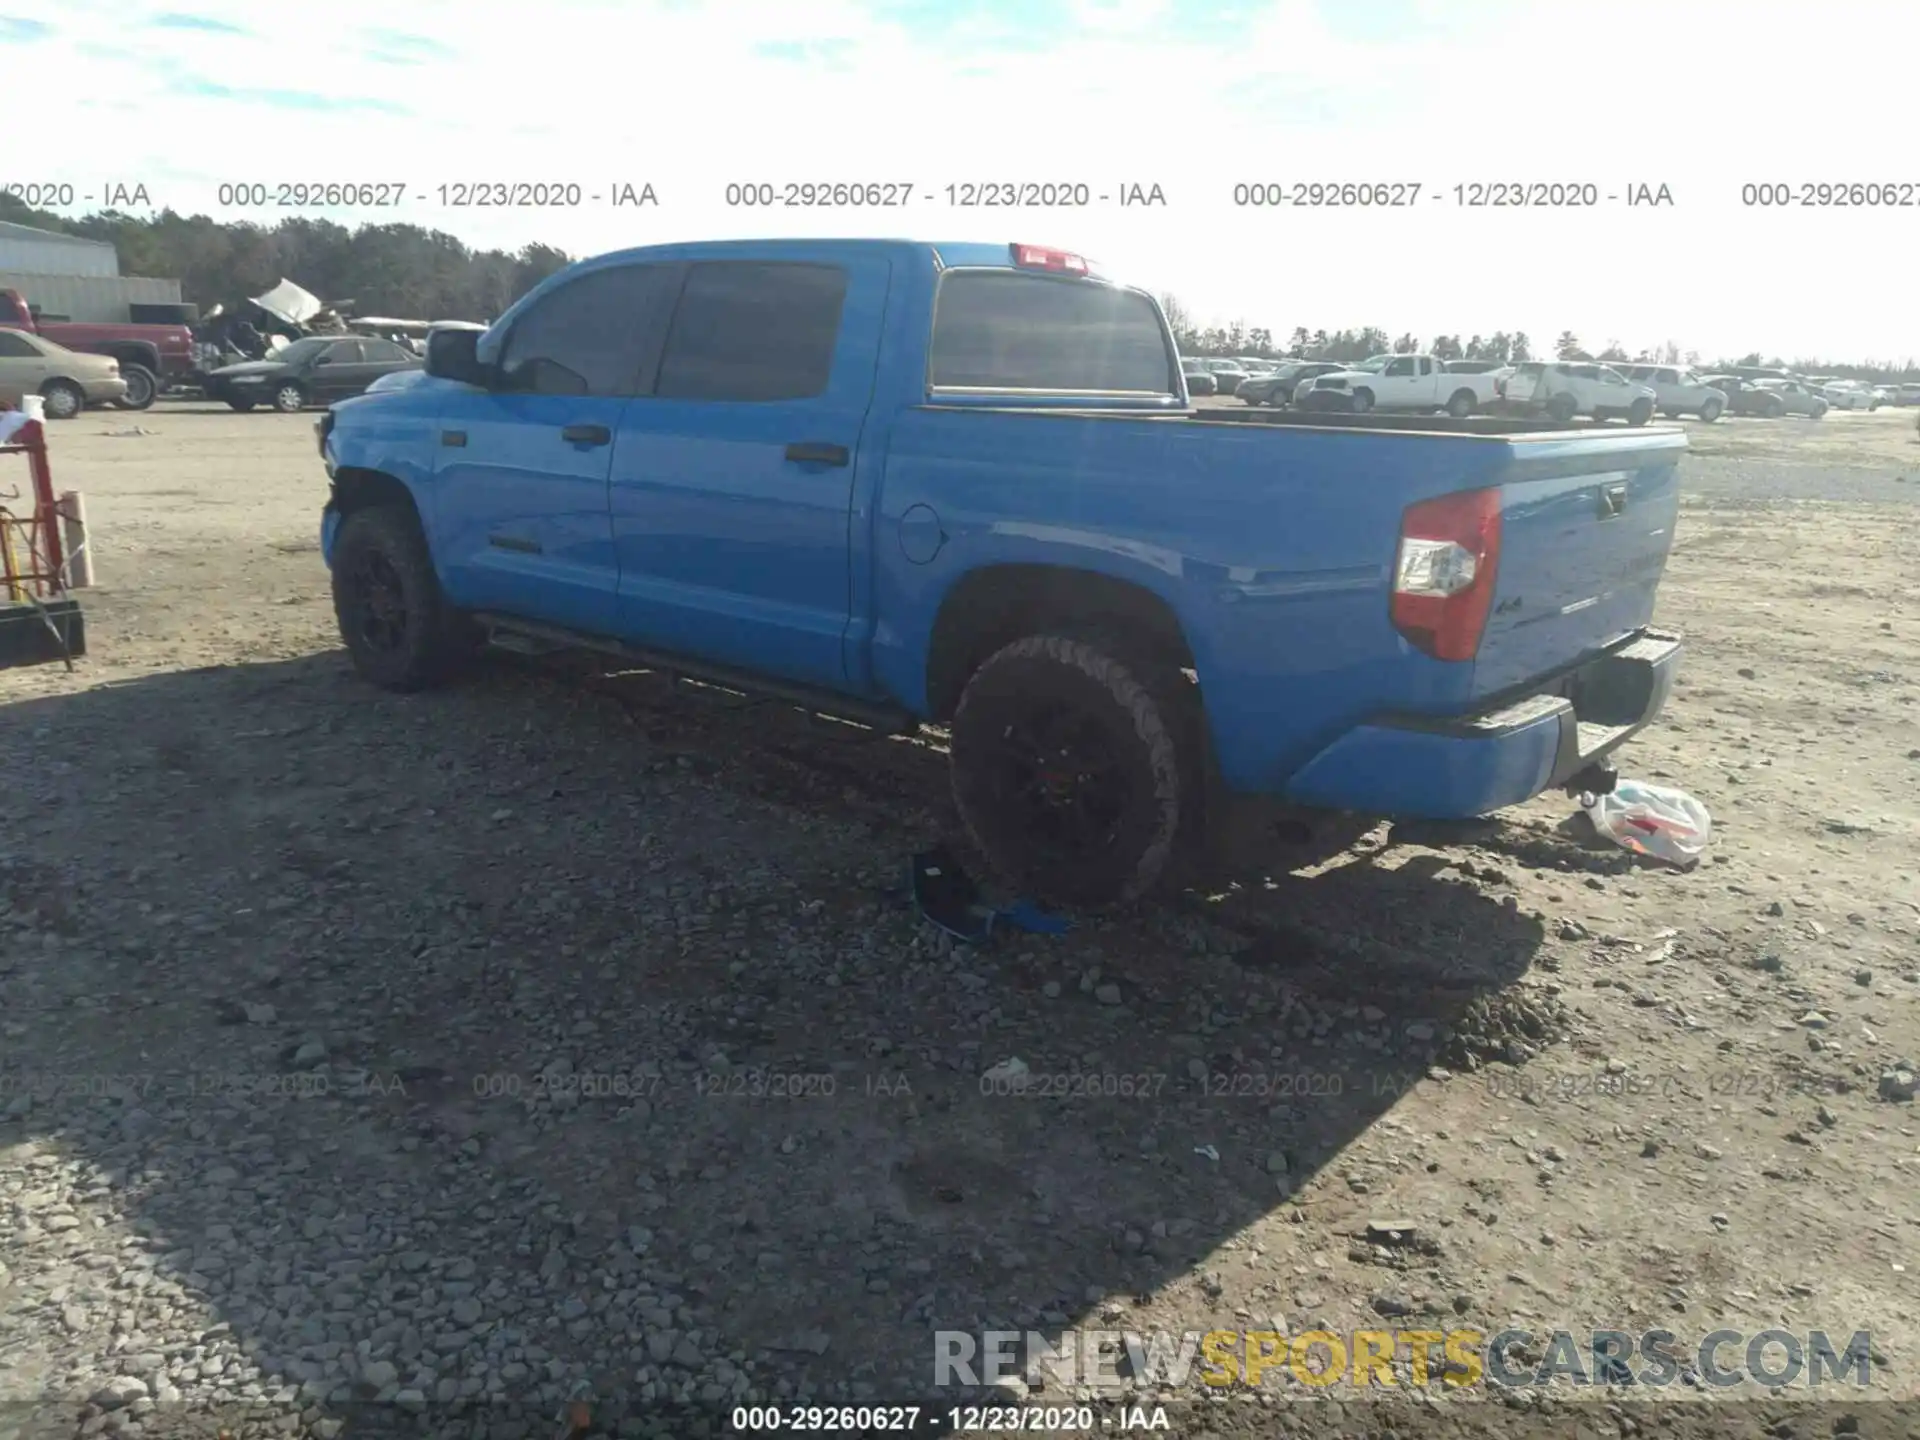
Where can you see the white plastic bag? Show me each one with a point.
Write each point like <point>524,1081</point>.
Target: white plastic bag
<point>1652,820</point>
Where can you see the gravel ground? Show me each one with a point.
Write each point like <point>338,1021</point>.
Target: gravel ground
<point>430,1062</point>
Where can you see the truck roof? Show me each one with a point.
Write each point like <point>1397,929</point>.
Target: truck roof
<point>948,254</point>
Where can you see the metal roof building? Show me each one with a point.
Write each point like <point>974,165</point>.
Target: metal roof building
<point>28,251</point>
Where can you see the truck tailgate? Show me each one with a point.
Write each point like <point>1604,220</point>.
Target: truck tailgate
<point>1585,535</point>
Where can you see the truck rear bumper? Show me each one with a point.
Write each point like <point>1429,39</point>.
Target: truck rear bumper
<point>1455,768</point>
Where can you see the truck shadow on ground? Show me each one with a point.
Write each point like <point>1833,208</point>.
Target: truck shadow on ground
<point>477,1045</point>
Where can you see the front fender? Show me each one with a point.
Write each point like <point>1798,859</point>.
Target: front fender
<point>384,435</point>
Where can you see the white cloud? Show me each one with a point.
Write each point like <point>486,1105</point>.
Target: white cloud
<point>1701,96</point>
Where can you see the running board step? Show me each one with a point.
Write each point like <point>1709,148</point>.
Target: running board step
<point>517,643</point>
<point>526,637</point>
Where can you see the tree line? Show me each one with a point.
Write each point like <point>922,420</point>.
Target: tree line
<point>416,273</point>
<point>1500,347</point>
<point>401,270</point>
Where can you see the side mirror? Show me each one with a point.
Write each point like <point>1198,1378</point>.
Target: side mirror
<point>452,355</point>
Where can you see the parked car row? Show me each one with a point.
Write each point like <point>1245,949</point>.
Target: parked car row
<point>317,369</point>
<point>1559,389</point>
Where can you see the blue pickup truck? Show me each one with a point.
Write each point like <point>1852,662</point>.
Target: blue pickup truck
<point>963,485</point>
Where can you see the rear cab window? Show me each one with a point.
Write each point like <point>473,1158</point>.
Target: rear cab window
<point>754,330</point>
<point>1002,330</point>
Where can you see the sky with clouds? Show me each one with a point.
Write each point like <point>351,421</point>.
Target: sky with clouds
<point>1702,96</point>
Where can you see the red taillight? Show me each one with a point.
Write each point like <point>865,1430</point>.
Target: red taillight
<point>1443,575</point>
<point>1039,257</point>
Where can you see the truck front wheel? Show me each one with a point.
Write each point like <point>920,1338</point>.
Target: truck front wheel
<point>1071,770</point>
<point>399,630</point>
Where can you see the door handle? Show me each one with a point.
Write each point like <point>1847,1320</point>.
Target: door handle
<point>586,434</point>
<point>816,452</point>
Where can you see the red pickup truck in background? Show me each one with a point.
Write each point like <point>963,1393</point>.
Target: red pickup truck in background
<point>151,357</point>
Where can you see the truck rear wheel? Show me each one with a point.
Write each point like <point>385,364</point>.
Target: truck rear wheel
<point>1562,408</point>
<point>143,388</point>
<point>1072,770</point>
<point>399,630</point>
<point>1462,404</point>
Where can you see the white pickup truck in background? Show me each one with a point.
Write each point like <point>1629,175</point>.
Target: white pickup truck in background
<point>1562,389</point>
<point>1678,390</point>
<point>1419,383</point>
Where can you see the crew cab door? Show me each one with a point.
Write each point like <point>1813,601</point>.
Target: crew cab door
<point>1400,384</point>
<point>521,521</point>
<point>732,482</point>
<point>1426,388</point>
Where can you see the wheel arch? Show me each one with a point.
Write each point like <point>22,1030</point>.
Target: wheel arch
<point>357,488</point>
<point>65,382</point>
<point>994,605</point>
<point>132,352</point>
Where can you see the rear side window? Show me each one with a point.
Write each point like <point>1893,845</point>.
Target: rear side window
<point>747,330</point>
<point>997,330</point>
<point>587,336</point>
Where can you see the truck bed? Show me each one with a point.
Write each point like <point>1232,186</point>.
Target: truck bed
<point>1273,536</point>
<point>1507,427</point>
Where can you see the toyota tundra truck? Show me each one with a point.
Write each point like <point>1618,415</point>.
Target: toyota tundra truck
<point>961,485</point>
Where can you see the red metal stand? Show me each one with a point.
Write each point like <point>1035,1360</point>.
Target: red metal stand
<point>45,573</point>
<point>39,620</point>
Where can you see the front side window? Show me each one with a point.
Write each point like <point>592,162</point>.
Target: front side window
<point>748,330</point>
<point>587,336</point>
